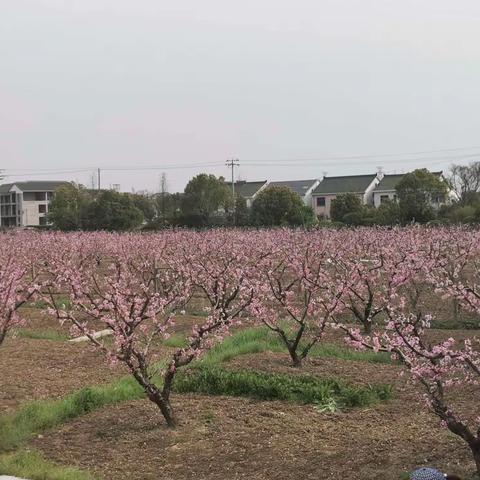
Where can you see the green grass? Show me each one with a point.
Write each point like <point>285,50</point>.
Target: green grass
<point>32,466</point>
<point>175,341</point>
<point>257,340</point>
<point>303,389</point>
<point>46,334</point>
<point>62,301</point>
<point>41,415</point>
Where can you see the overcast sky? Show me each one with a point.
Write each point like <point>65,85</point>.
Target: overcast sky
<point>291,88</point>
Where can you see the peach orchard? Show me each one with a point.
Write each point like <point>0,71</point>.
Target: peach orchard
<point>365,282</point>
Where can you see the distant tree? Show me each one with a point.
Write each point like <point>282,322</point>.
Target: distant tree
<point>204,196</point>
<point>278,206</point>
<point>69,207</point>
<point>145,204</point>
<point>387,213</point>
<point>113,211</point>
<point>465,181</point>
<point>346,204</point>
<point>240,217</point>
<point>417,191</point>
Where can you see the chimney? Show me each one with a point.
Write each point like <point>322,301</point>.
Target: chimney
<point>380,173</point>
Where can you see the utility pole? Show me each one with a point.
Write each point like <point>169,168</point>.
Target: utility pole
<point>232,163</point>
<point>98,178</point>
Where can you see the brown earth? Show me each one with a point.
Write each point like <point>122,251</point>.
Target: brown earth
<point>33,369</point>
<point>234,438</point>
<point>230,438</point>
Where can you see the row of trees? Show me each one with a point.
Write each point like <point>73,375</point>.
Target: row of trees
<point>297,283</point>
<point>207,201</point>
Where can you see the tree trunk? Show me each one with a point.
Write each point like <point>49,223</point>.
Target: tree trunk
<point>475,448</point>
<point>456,309</point>
<point>165,408</point>
<point>367,327</point>
<point>296,359</point>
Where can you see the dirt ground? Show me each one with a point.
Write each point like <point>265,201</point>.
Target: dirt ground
<point>230,438</point>
<point>33,369</point>
<point>233,438</point>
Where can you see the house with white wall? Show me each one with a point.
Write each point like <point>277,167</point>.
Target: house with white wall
<point>331,187</point>
<point>304,188</point>
<point>248,190</point>
<point>386,190</point>
<point>25,204</point>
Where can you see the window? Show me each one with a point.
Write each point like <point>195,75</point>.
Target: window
<point>43,221</point>
<point>384,198</point>
<point>42,208</point>
<point>39,196</point>
<point>320,201</point>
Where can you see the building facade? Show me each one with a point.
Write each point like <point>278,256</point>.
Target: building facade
<point>386,191</point>
<point>25,204</point>
<point>330,187</point>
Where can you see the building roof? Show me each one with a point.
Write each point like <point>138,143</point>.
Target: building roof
<point>298,186</point>
<point>33,186</point>
<point>247,189</point>
<point>389,182</point>
<point>346,184</point>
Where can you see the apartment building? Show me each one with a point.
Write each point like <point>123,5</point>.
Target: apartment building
<point>25,204</point>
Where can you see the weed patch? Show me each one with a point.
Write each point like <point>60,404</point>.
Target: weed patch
<point>304,389</point>
<point>32,466</point>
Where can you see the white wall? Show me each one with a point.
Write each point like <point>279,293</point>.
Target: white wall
<point>377,195</point>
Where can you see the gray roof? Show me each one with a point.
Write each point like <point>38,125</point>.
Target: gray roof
<point>247,189</point>
<point>298,186</point>
<point>346,184</point>
<point>389,182</point>
<point>33,186</point>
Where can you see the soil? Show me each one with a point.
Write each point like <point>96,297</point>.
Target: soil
<point>223,437</point>
<point>231,438</point>
<point>35,369</point>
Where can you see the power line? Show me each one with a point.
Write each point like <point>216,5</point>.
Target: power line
<point>319,161</point>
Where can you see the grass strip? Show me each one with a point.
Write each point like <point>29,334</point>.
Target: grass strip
<point>46,334</point>
<point>41,415</point>
<point>303,389</point>
<point>257,340</point>
<point>327,394</point>
<point>32,465</point>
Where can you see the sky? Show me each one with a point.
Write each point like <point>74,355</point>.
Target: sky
<point>293,89</point>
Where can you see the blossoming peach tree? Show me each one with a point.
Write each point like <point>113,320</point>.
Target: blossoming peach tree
<point>135,285</point>
<point>441,367</point>
<point>18,281</point>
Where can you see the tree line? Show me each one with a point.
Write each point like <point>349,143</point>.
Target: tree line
<point>207,201</point>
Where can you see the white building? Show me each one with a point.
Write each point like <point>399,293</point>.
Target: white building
<point>25,204</point>
<point>331,187</point>
<point>386,191</point>
<point>304,188</point>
